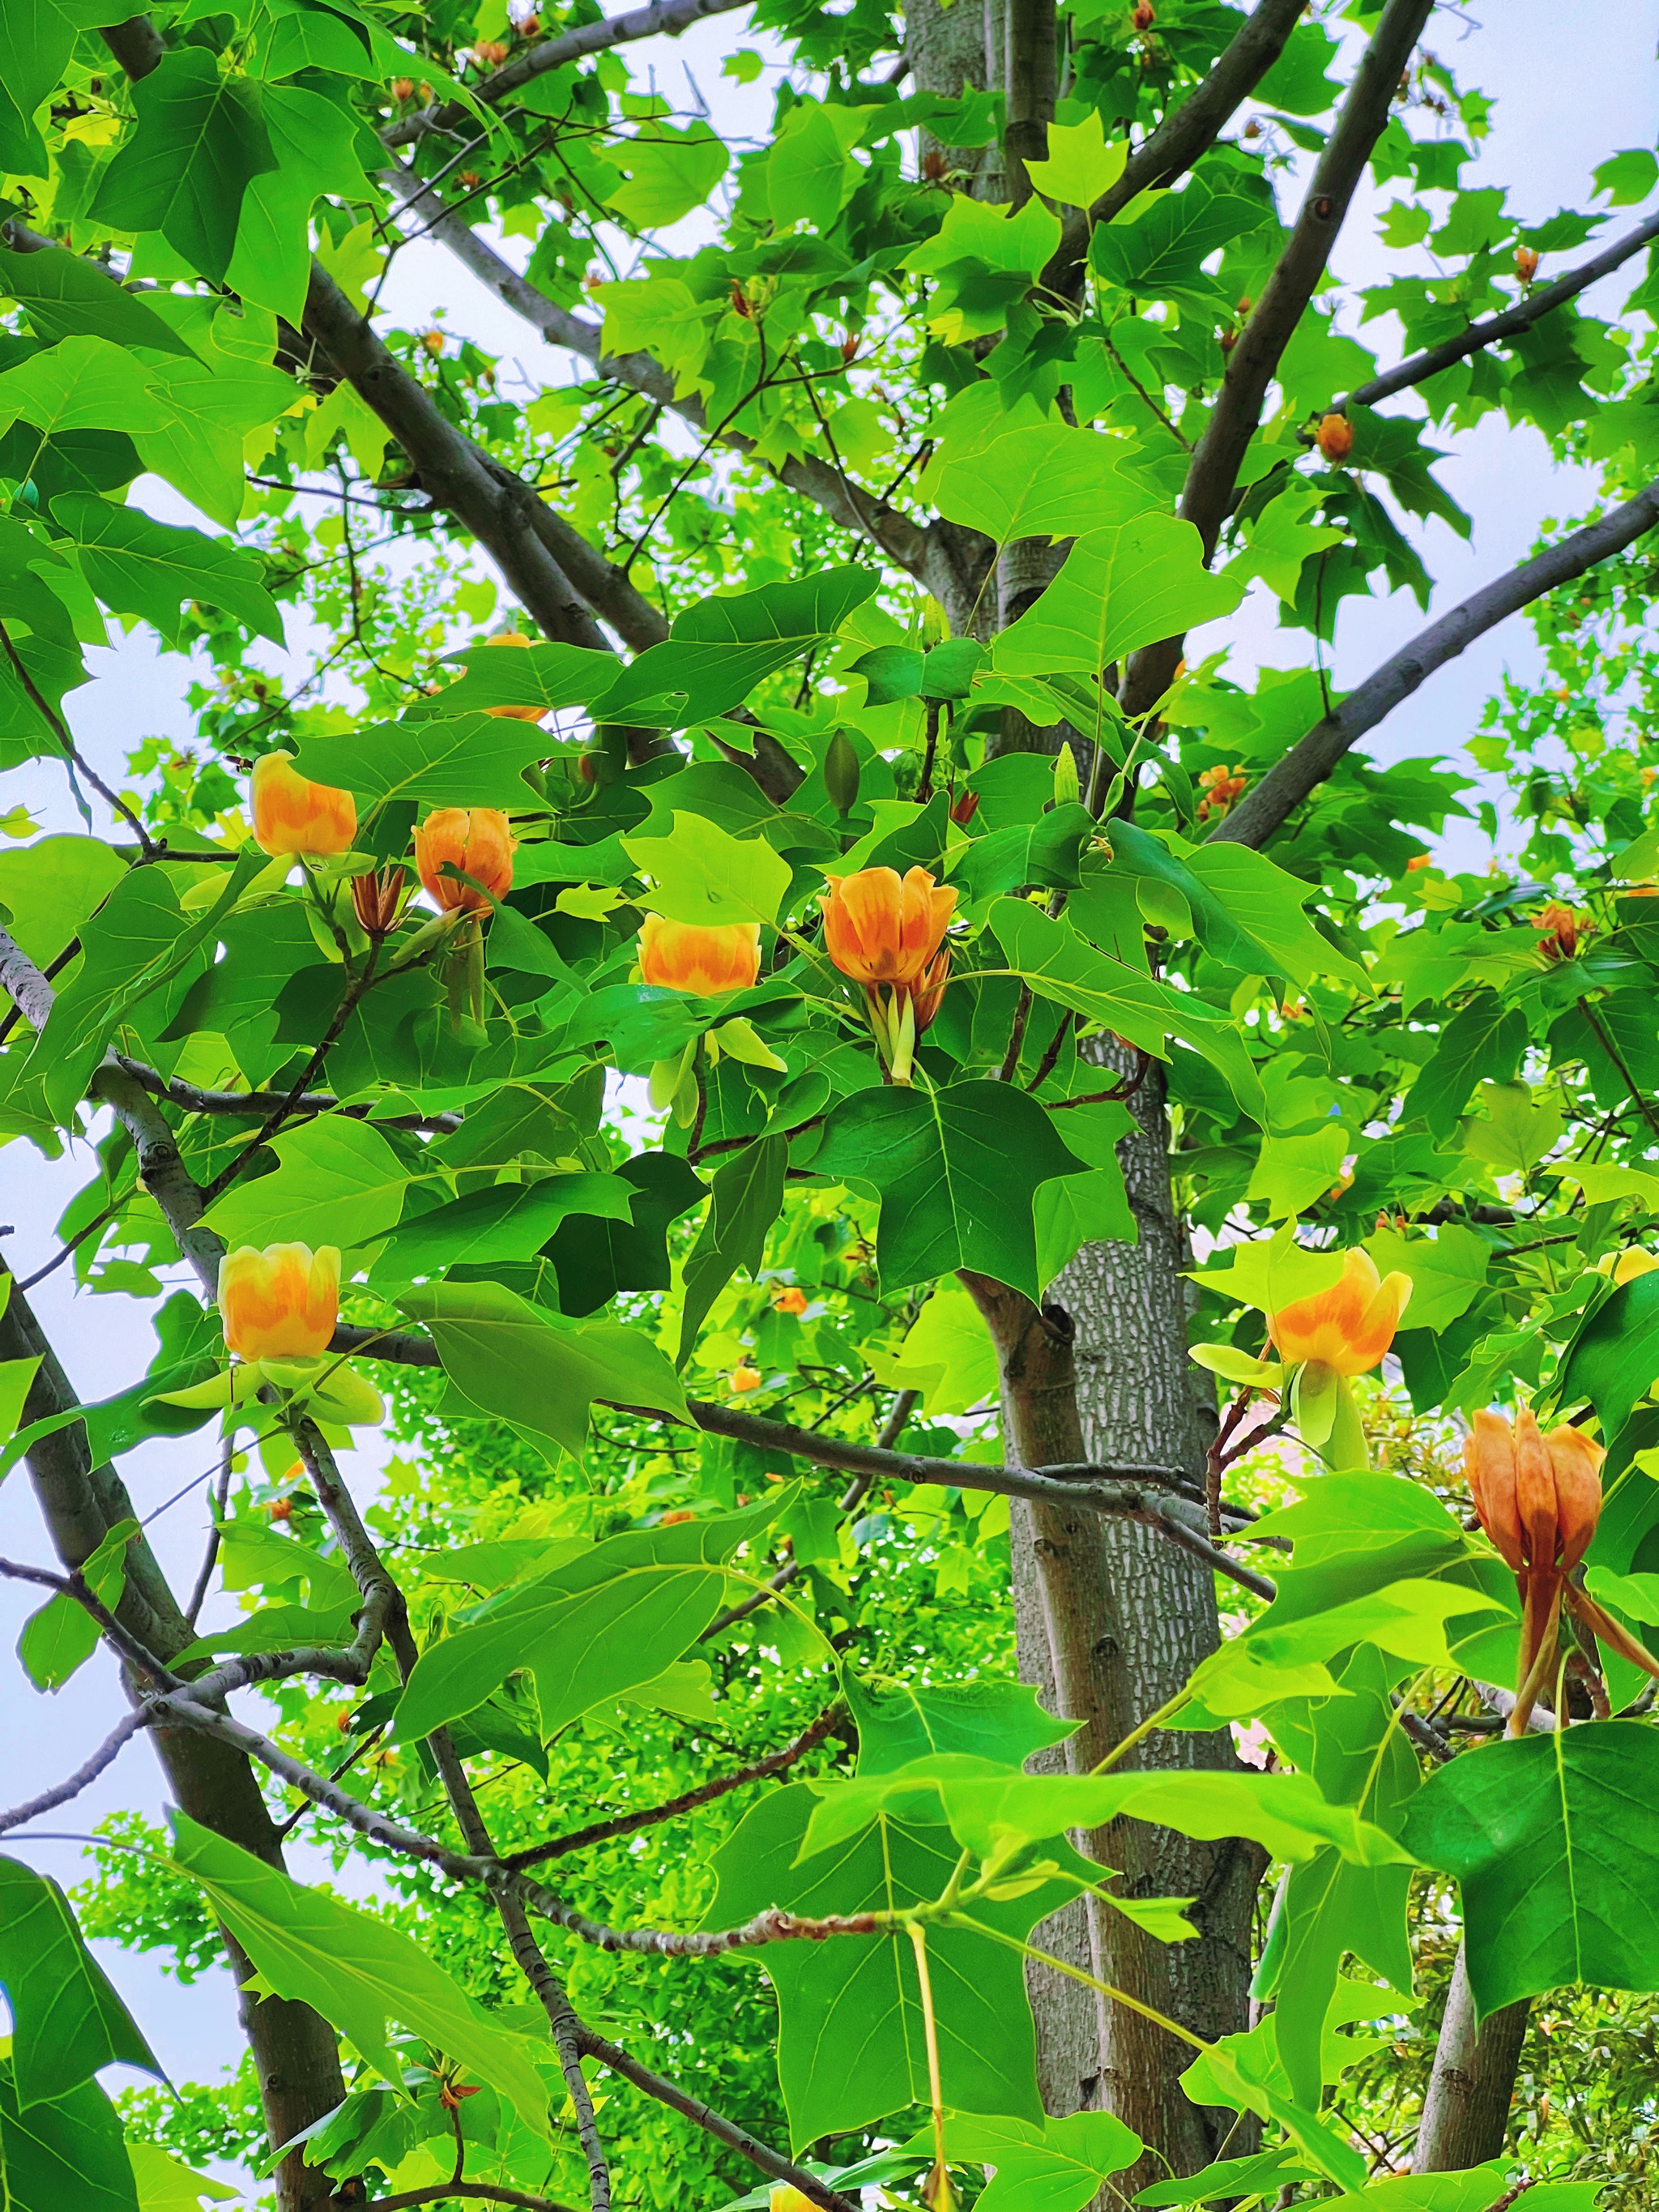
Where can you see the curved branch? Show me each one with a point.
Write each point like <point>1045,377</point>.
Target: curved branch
<point>82,1778</point>
<point>1289,781</point>
<point>662,18</point>
<point>1496,328</point>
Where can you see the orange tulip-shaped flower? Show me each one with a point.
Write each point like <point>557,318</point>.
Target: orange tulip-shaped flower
<point>1563,929</point>
<point>1525,263</point>
<point>790,1301</point>
<point>280,1303</point>
<point>293,815</point>
<point>1347,1327</point>
<point>1335,437</point>
<point>514,714</point>
<point>1539,1498</point>
<point>690,955</point>
<point>475,839</point>
<point>880,927</point>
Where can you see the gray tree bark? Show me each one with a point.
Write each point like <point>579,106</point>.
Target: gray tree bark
<point>1133,1617</point>
<point>1466,2111</point>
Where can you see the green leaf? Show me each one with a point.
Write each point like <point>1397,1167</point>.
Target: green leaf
<point>746,1199</point>
<point>1027,479</point>
<point>1482,1041</point>
<point>720,647</point>
<point>1247,912</point>
<point>1447,1270</point>
<point>357,1970</point>
<point>200,142</point>
<point>947,1353</point>
<point>594,1259</point>
<point>1628,177</point>
<point>1057,2167</point>
<point>66,296</point>
<point>986,257</point>
<point>899,1721</point>
<point>67,2020</point>
<point>81,383</point>
<point>1047,852</point>
<point>986,1805</point>
<point>141,567</point>
<point>1122,587</point>
<point>508,1221</point>
<point>1242,2070</point>
<point>164,2185</point>
<point>512,1360</point>
<point>476,760</point>
<point>956,1171</point>
<point>809,172</point>
<point>338,1181</point>
<point>39,36</point>
<point>669,172</point>
<point>701,873</point>
<point>212,405</point>
<point>851,2047</point>
<point>1614,1358</point>
<point>62,1635</point>
<point>612,1619</point>
<point>1061,965</point>
<point>1080,166</point>
<point>1554,1843</point>
<point>1157,253</point>
<point>315,149</point>
<point>68,2153</point>
<point>546,676</point>
<point>50,888</point>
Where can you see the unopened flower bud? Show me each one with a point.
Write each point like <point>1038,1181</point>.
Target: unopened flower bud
<point>1335,437</point>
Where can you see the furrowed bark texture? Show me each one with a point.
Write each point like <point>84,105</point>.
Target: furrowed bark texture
<point>1111,1621</point>
<point>294,2047</point>
<point>1465,2112</point>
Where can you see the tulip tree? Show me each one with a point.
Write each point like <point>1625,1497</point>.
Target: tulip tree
<point>898,1136</point>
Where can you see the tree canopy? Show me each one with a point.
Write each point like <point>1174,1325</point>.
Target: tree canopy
<point>1009,1332</point>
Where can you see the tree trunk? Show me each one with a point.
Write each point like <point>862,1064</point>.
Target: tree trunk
<point>1466,2109</point>
<point>1139,1616</point>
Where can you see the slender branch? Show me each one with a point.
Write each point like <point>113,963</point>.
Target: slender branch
<point>83,1776</point>
<point>662,18</point>
<point>861,512</point>
<point>192,1098</point>
<point>482,2192</point>
<point>74,1587</point>
<point>849,1501</point>
<point>706,1793</point>
<point>760,2154</point>
<point>1289,781</point>
<point>1494,328</point>
<point>55,722</point>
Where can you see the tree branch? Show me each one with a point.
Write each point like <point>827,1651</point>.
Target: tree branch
<point>1183,135</point>
<point>1496,328</point>
<point>503,516</point>
<point>906,542</point>
<point>662,18</point>
<point>1207,496</point>
<point>706,1793</point>
<point>190,1098</point>
<point>481,2192</point>
<point>1288,782</point>
<point>82,1778</point>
